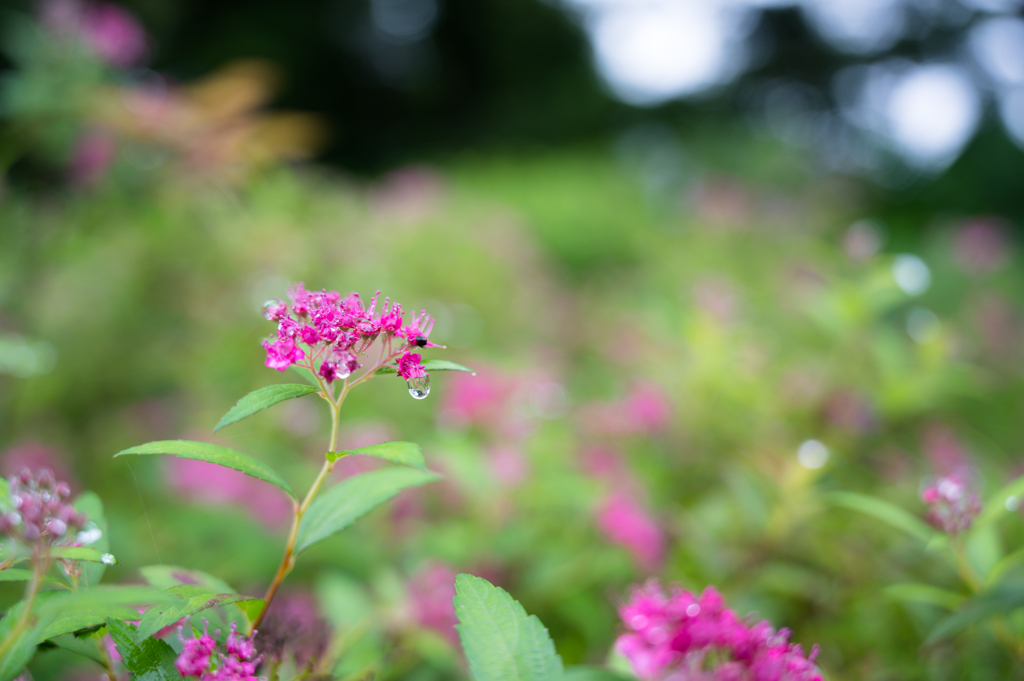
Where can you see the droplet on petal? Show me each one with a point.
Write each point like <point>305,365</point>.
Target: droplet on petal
<point>419,387</point>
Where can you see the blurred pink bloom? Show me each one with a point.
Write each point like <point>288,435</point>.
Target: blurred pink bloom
<point>475,400</point>
<point>111,31</point>
<point>92,156</point>
<point>645,410</point>
<point>293,623</point>
<point>507,464</point>
<point>680,636</point>
<point>35,456</point>
<point>209,483</point>
<point>626,523</point>
<point>409,194</point>
<point>431,591</point>
<point>952,506</point>
<point>945,453</point>
<point>716,295</point>
<point>981,245</point>
<point>998,322</point>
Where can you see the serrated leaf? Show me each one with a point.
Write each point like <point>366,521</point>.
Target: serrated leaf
<point>222,456</point>
<point>926,593</point>
<point>430,365</point>
<point>261,399</point>
<point>148,659</point>
<point>164,577</point>
<point>1000,600</point>
<point>346,502</point>
<point>501,642</point>
<point>405,453</point>
<point>83,553</point>
<point>189,599</point>
<point>96,529</point>
<point>884,511</point>
<point>67,612</point>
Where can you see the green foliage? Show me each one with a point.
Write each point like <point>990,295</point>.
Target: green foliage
<point>90,504</point>
<point>82,553</point>
<point>261,399</point>
<point>190,599</point>
<point>1000,600</point>
<point>17,646</point>
<point>888,513</point>
<point>501,642</point>
<point>148,659</point>
<point>222,456</point>
<point>405,453</point>
<point>340,506</point>
<point>66,612</point>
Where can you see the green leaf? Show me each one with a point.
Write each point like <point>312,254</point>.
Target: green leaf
<point>19,575</point>
<point>250,609</point>
<point>16,649</point>
<point>98,531</point>
<point>222,456</point>
<point>1008,499</point>
<point>501,642</point>
<point>346,502</point>
<point>926,593</point>
<point>149,659</point>
<point>1002,599</point>
<point>586,673</point>
<point>431,365</point>
<point>82,553</point>
<point>406,453</point>
<point>189,599</point>
<point>71,611</point>
<point>263,398</point>
<point>164,577</point>
<point>306,374</point>
<point>87,646</point>
<point>884,511</point>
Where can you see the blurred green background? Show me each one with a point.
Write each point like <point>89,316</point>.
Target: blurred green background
<point>693,318</point>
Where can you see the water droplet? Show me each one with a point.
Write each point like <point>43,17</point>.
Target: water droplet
<point>419,388</point>
<point>1012,503</point>
<point>108,559</point>
<point>267,307</point>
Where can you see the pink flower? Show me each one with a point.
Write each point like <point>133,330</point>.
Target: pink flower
<point>431,591</point>
<point>40,510</point>
<point>282,354</point>
<point>91,157</point>
<point>195,657</point>
<point>209,483</point>
<point>697,637</point>
<point>110,31</point>
<point>417,331</point>
<point>952,505</point>
<point>626,523</point>
<point>981,245</point>
<point>409,366</point>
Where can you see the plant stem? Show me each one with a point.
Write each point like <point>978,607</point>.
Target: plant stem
<point>288,560</point>
<point>40,564</point>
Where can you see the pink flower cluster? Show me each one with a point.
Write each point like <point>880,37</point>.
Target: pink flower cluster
<point>952,507</point>
<point>337,331</point>
<point>684,636</point>
<point>107,29</point>
<point>236,662</point>
<point>39,508</point>
<point>431,591</point>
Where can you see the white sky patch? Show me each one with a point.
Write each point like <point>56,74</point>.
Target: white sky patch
<point>1011,110</point>
<point>857,26</point>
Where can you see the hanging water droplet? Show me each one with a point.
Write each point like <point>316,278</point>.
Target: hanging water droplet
<point>419,387</point>
<point>108,559</point>
<point>268,308</point>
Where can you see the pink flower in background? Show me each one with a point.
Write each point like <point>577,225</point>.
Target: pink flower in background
<point>643,411</point>
<point>34,456</point>
<point>475,400</point>
<point>507,464</point>
<point>431,591</point>
<point>945,453</point>
<point>293,624</point>
<point>625,522</point>
<point>952,505</point>
<point>209,483</point>
<point>682,636</point>
<point>112,32</point>
<point>850,411</point>
<point>981,245</point>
